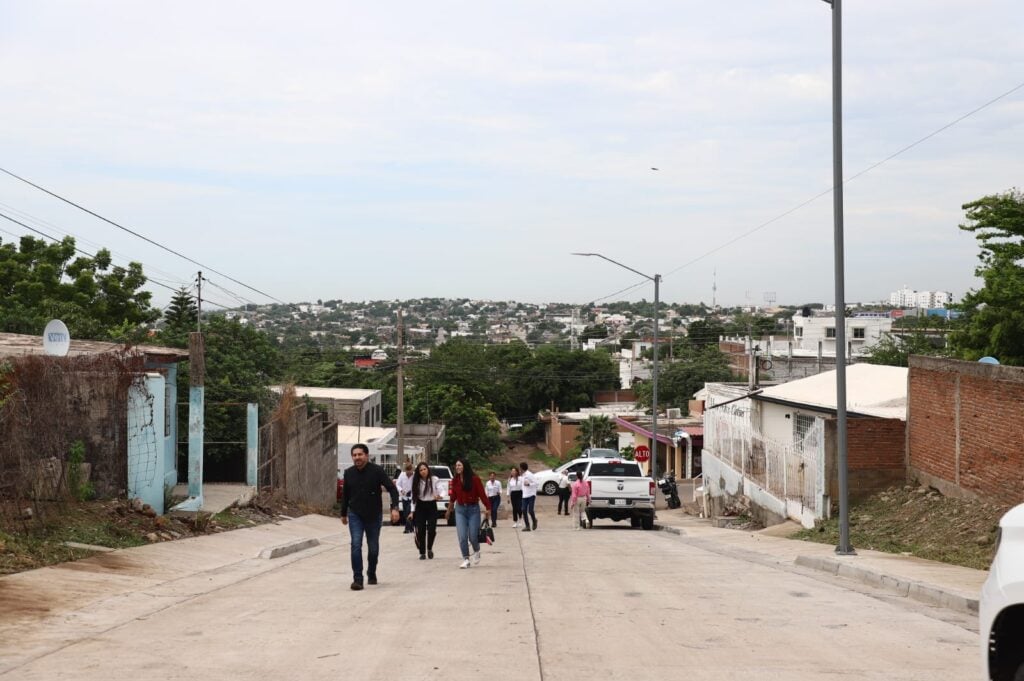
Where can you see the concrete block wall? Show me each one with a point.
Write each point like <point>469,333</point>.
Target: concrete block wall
<point>966,428</point>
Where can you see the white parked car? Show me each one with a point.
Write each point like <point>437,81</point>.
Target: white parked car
<point>1001,608</point>
<point>547,480</point>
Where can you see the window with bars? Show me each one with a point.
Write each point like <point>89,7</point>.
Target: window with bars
<point>830,332</point>
<point>858,333</point>
<point>802,424</point>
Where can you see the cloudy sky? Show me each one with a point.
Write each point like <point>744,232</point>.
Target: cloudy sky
<point>406,149</point>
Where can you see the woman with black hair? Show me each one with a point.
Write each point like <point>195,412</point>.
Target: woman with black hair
<point>466,495</point>
<point>424,509</point>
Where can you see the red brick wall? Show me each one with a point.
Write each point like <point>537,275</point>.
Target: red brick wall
<point>874,455</point>
<point>739,360</point>
<point>966,428</point>
<point>610,396</point>
<point>875,444</point>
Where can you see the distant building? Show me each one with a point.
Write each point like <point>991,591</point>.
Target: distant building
<point>347,406</point>
<point>908,297</point>
<point>862,332</point>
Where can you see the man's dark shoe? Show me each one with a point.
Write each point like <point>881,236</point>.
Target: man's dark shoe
<point>430,555</point>
<point>535,524</point>
<point>526,529</point>
<point>357,586</point>
<point>371,579</point>
<point>423,556</point>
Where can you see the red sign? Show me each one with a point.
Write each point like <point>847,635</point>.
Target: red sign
<point>642,453</point>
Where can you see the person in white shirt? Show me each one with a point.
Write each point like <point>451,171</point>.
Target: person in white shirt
<point>493,489</point>
<point>563,493</point>
<point>515,495</point>
<point>404,485</point>
<point>425,494</point>
<point>529,496</point>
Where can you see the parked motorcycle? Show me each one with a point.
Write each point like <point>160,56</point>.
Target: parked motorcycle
<point>668,487</point>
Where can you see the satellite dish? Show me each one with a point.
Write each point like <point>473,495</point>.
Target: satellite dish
<point>988,360</point>
<point>56,339</point>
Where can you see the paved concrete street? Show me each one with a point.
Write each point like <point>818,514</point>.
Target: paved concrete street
<point>609,603</point>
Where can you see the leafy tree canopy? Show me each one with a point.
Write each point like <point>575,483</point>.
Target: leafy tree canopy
<point>993,316</point>
<point>40,281</point>
<point>677,382</point>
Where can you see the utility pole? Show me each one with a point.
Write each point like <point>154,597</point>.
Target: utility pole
<point>199,302</point>
<point>844,547</point>
<point>401,396</point>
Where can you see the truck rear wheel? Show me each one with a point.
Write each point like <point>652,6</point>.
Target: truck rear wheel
<point>647,522</point>
<point>634,522</point>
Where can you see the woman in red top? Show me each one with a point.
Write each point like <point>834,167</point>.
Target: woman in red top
<point>466,495</point>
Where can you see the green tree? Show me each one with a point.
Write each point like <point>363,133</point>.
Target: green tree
<point>595,331</point>
<point>179,319</point>
<point>896,350</point>
<point>678,381</point>
<point>40,280</point>
<point>705,332</point>
<point>596,431</point>
<point>241,363</point>
<point>569,378</point>
<point>471,429</point>
<point>993,316</point>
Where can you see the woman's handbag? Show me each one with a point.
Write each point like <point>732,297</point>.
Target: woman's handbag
<point>486,533</point>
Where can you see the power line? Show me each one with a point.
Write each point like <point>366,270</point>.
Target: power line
<point>134,233</point>
<point>56,240</point>
<point>79,239</point>
<point>871,167</point>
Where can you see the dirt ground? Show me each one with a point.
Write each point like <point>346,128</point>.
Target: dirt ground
<point>920,521</point>
<point>27,544</point>
<point>515,452</point>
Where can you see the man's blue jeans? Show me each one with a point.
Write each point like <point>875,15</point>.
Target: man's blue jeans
<point>357,527</point>
<point>467,522</point>
<point>495,503</point>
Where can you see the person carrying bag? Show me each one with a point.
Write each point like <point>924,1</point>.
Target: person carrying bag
<point>486,534</point>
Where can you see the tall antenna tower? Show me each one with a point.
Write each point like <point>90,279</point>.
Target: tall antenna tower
<point>575,343</point>
<point>714,291</point>
<point>769,298</point>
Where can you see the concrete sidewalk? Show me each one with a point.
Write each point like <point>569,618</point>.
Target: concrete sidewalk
<point>927,581</point>
<point>50,608</point>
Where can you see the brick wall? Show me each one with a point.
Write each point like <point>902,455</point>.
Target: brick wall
<point>614,396</point>
<point>875,455</point>
<point>966,428</point>
<point>739,360</point>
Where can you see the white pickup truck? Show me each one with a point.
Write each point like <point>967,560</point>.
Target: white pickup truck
<point>619,490</point>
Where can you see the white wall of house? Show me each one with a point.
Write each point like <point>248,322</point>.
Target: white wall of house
<point>861,332</point>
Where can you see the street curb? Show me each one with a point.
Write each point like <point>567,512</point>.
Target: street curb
<point>667,528</point>
<point>908,588</point>
<point>289,548</point>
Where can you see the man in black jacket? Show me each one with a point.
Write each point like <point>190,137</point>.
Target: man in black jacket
<point>361,504</point>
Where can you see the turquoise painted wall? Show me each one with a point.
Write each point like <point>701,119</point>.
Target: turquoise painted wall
<point>147,446</point>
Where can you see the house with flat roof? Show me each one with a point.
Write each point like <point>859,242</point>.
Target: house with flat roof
<point>347,406</point>
<point>776,448</point>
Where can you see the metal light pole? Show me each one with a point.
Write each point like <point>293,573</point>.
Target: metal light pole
<point>654,377</point>
<point>844,548</point>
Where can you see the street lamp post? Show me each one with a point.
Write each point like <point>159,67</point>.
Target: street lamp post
<point>844,547</point>
<point>654,375</point>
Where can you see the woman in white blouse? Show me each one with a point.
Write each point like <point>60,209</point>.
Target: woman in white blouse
<point>424,509</point>
<point>515,495</point>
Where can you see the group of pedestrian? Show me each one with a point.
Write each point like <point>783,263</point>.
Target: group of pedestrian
<point>414,498</point>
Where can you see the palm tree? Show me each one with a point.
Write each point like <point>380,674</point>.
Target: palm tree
<point>596,431</point>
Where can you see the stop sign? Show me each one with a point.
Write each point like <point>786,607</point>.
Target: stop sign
<point>642,453</point>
